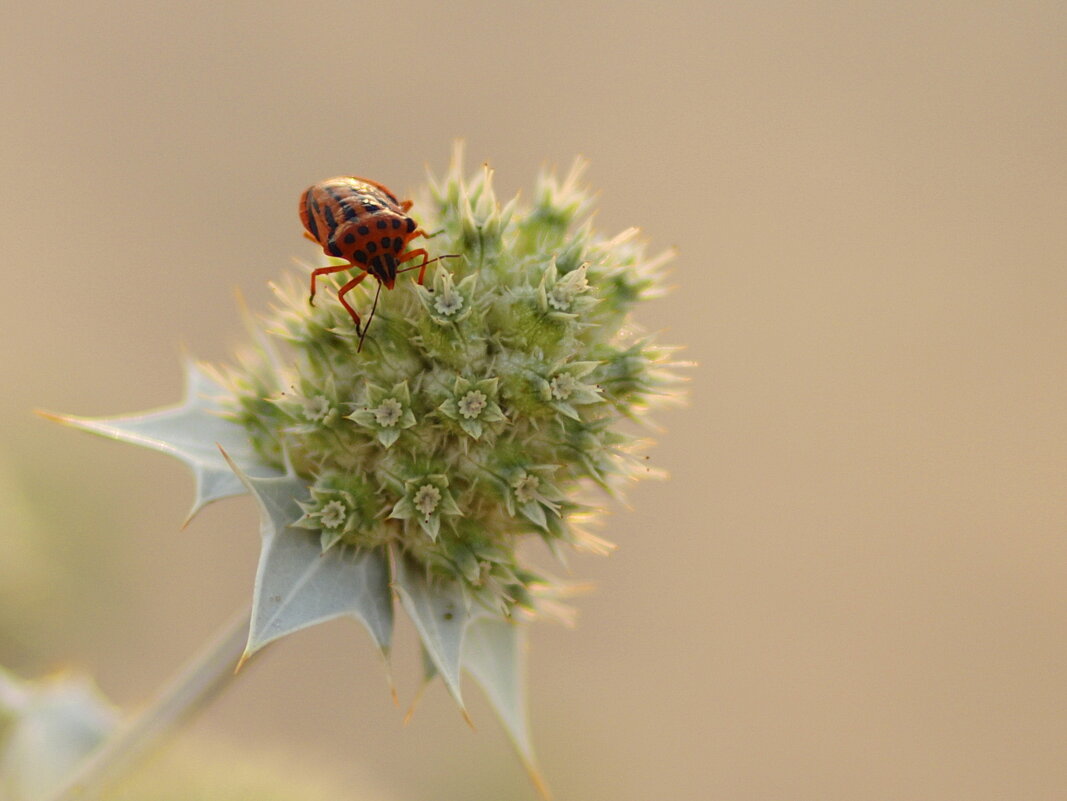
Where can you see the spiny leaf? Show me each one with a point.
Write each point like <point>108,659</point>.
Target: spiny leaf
<point>192,431</point>
<point>492,654</point>
<point>440,615</point>
<point>298,585</point>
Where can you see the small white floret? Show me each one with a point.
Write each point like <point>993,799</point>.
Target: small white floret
<point>525,487</point>
<point>333,515</point>
<point>388,412</point>
<point>426,499</point>
<point>472,404</point>
<point>316,409</point>
<point>562,386</point>
<point>448,303</point>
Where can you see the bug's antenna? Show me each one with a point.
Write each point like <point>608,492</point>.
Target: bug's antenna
<point>369,319</point>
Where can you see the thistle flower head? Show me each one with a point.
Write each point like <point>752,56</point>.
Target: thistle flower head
<point>472,393</point>
<point>486,407</point>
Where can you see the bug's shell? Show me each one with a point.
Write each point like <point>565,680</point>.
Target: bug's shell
<point>356,220</point>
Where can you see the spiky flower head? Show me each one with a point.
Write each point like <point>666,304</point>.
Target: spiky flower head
<point>489,406</point>
<point>489,398</point>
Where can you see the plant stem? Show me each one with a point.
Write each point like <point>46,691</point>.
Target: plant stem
<point>206,674</point>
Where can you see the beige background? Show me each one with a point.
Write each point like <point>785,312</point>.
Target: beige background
<point>854,585</point>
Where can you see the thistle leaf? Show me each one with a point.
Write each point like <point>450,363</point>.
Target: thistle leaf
<point>440,615</point>
<point>192,431</point>
<point>492,655</point>
<point>50,727</point>
<point>299,585</point>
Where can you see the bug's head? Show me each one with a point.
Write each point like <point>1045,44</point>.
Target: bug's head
<point>383,267</point>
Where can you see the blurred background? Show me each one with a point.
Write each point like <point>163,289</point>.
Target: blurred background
<point>854,585</point>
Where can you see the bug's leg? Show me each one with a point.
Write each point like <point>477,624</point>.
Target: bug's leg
<point>420,232</point>
<point>414,254</point>
<point>425,261</point>
<point>310,238</point>
<point>333,268</point>
<point>341,297</point>
<point>370,319</point>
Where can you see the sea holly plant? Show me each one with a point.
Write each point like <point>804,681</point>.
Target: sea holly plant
<point>493,405</point>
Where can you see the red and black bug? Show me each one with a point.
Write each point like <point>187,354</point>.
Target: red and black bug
<point>365,224</point>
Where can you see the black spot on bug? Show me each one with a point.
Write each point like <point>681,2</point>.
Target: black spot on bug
<point>382,224</point>
<point>361,257</point>
<point>386,242</point>
<point>396,223</point>
<point>348,211</point>
<point>363,230</point>
<point>372,247</point>
<point>398,243</point>
<point>350,238</point>
<point>411,225</point>
<point>371,207</point>
<point>327,215</point>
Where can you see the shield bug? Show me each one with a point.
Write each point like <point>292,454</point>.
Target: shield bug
<point>362,222</point>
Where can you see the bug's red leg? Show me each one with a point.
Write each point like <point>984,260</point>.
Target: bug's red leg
<point>425,261</point>
<point>333,268</point>
<point>341,297</point>
<point>420,232</point>
<point>422,267</point>
<point>310,238</point>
